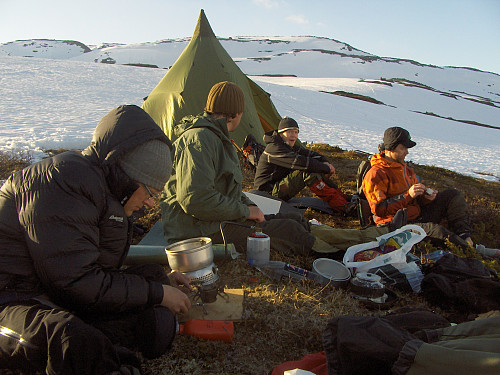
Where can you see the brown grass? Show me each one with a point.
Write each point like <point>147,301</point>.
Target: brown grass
<point>10,163</point>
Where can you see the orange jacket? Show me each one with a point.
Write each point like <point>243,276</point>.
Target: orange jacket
<point>386,187</point>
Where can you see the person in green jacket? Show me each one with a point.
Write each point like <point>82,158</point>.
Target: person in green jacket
<point>205,188</point>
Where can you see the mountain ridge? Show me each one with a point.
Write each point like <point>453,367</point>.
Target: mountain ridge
<point>6,48</point>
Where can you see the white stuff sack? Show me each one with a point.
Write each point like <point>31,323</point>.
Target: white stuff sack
<point>406,237</point>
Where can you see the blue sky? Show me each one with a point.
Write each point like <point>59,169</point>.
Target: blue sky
<point>439,32</point>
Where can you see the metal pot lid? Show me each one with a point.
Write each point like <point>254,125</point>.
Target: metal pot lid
<point>331,269</point>
<point>188,246</point>
<point>368,277</point>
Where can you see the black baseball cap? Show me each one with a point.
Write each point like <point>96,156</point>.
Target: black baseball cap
<point>395,136</point>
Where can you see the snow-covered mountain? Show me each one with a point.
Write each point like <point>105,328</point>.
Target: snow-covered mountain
<point>339,94</point>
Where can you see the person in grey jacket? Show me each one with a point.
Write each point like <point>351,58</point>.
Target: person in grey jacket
<point>66,304</point>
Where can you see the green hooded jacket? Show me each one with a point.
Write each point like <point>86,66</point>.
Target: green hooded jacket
<point>205,187</point>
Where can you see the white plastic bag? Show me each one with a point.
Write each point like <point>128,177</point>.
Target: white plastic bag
<point>406,236</point>
<point>406,277</point>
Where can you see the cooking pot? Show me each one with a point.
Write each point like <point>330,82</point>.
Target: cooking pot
<point>334,273</point>
<point>190,255</point>
<point>367,285</point>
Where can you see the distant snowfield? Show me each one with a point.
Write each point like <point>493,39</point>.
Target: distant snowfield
<point>50,104</point>
<point>331,119</point>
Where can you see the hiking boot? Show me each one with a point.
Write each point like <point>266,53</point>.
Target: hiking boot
<point>350,209</point>
<point>399,220</point>
<point>467,238</point>
<point>335,198</point>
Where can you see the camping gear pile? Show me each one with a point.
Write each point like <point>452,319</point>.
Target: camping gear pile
<point>390,258</point>
<point>412,340</point>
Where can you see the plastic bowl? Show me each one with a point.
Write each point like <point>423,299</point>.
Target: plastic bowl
<point>333,272</point>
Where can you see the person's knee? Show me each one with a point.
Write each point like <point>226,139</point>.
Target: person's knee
<point>312,178</point>
<point>155,331</point>
<point>451,194</point>
<point>72,337</point>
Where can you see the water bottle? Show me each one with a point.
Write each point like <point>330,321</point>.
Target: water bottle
<point>278,271</point>
<point>258,248</point>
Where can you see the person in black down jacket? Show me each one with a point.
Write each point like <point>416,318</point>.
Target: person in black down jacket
<point>285,168</point>
<point>66,305</point>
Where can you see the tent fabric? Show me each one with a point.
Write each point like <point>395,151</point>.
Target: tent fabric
<point>183,90</point>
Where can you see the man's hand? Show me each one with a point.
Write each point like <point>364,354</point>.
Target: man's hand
<point>175,300</point>
<point>432,196</point>
<point>256,214</point>
<point>332,168</point>
<point>416,190</point>
<point>180,281</point>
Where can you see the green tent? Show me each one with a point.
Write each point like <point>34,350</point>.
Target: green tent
<point>183,90</point>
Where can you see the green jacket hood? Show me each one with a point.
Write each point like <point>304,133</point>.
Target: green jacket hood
<point>218,126</point>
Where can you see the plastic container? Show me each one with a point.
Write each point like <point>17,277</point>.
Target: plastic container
<point>258,248</point>
<point>220,330</point>
<point>219,251</point>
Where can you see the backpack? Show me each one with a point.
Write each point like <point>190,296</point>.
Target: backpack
<point>251,152</point>
<point>364,210</point>
<point>464,284</point>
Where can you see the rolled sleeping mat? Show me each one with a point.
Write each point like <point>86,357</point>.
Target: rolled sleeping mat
<point>142,254</point>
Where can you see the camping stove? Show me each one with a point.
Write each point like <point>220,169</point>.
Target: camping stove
<point>204,276</point>
<point>205,281</point>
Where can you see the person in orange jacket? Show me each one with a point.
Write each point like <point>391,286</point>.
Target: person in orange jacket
<point>391,185</point>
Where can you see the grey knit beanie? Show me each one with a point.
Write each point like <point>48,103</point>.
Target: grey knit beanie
<point>149,163</point>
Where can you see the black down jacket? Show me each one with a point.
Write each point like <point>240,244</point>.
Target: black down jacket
<point>63,231</point>
<point>279,159</point>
